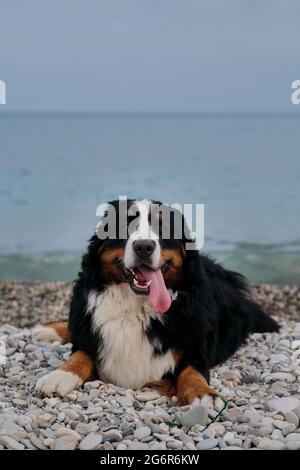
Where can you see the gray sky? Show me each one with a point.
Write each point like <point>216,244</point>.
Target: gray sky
<point>149,55</point>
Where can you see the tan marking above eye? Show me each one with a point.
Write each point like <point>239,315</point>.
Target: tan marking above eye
<point>110,255</point>
<point>133,211</point>
<point>108,260</point>
<point>174,255</point>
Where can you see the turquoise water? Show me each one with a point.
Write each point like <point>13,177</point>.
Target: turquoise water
<point>56,169</point>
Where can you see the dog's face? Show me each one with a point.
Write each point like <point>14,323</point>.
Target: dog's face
<point>150,258</point>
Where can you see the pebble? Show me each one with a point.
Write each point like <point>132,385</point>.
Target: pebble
<point>14,430</point>
<point>49,442</point>
<point>207,444</point>
<point>228,438</point>
<point>65,443</point>
<point>137,446</point>
<point>241,402</point>
<point>190,446</point>
<point>284,404</point>
<point>142,432</point>
<point>37,442</point>
<point>232,448</point>
<point>68,432</point>
<point>147,396</point>
<point>232,375</point>
<point>208,433</point>
<point>270,444</point>
<point>250,378</point>
<point>112,436</point>
<point>86,428</point>
<point>195,415</point>
<point>175,445</point>
<point>263,407</point>
<point>233,414</point>
<point>293,445</point>
<point>247,444</point>
<point>293,436</point>
<point>282,425</point>
<point>291,417</point>
<point>252,417</point>
<point>265,431</point>
<point>18,402</point>
<point>90,442</point>
<point>277,434</point>
<point>285,377</point>
<point>121,446</point>
<point>11,443</point>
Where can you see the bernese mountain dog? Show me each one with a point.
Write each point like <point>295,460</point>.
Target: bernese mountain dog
<point>146,311</point>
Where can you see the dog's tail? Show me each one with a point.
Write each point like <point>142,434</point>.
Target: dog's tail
<point>262,322</point>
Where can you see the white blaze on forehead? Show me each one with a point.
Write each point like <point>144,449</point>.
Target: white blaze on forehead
<point>142,231</point>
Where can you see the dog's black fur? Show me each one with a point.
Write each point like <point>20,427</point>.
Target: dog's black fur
<point>210,319</point>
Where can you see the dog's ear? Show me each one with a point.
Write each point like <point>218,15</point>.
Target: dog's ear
<point>90,263</point>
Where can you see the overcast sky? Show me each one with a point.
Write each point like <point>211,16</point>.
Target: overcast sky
<point>149,55</point>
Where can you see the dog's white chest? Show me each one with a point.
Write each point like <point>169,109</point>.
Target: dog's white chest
<point>126,357</point>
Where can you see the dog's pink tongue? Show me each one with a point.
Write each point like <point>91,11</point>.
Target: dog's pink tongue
<point>159,295</point>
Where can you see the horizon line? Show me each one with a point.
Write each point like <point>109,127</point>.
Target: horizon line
<point>146,112</point>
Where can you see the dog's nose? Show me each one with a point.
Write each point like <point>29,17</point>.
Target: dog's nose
<point>143,248</point>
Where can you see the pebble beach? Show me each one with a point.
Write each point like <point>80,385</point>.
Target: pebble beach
<point>261,383</point>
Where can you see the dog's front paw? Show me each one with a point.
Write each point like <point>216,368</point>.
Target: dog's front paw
<point>46,333</point>
<point>215,402</point>
<point>59,381</point>
<point>199,391</point>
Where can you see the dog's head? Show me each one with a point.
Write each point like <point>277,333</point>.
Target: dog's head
<point>142,243</point>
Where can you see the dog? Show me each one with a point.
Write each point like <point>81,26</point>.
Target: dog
<point>147,311</point>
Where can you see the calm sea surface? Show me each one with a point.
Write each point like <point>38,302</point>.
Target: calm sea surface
<point>56,169</point>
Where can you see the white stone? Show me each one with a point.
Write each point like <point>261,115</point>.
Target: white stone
<point>253,417</point>
<point>14,430</point>
<point>67,432</point>
<point>175,445</point>
<point>294,436</point>
<point>283,376</point>
<point>90,442</point>
<point>121,446</point>
<point>293,445</point>
<point>270,444</point>
<point>142,432</point>
<point>284,404</point>
<point>207,444</point>
<point>292,418</point>
<point>10,443</point>
<point>265,431</point>
<point>195,415</point>
<point>65,443</point>
<point>137,446</point>
<point>147,395</point>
